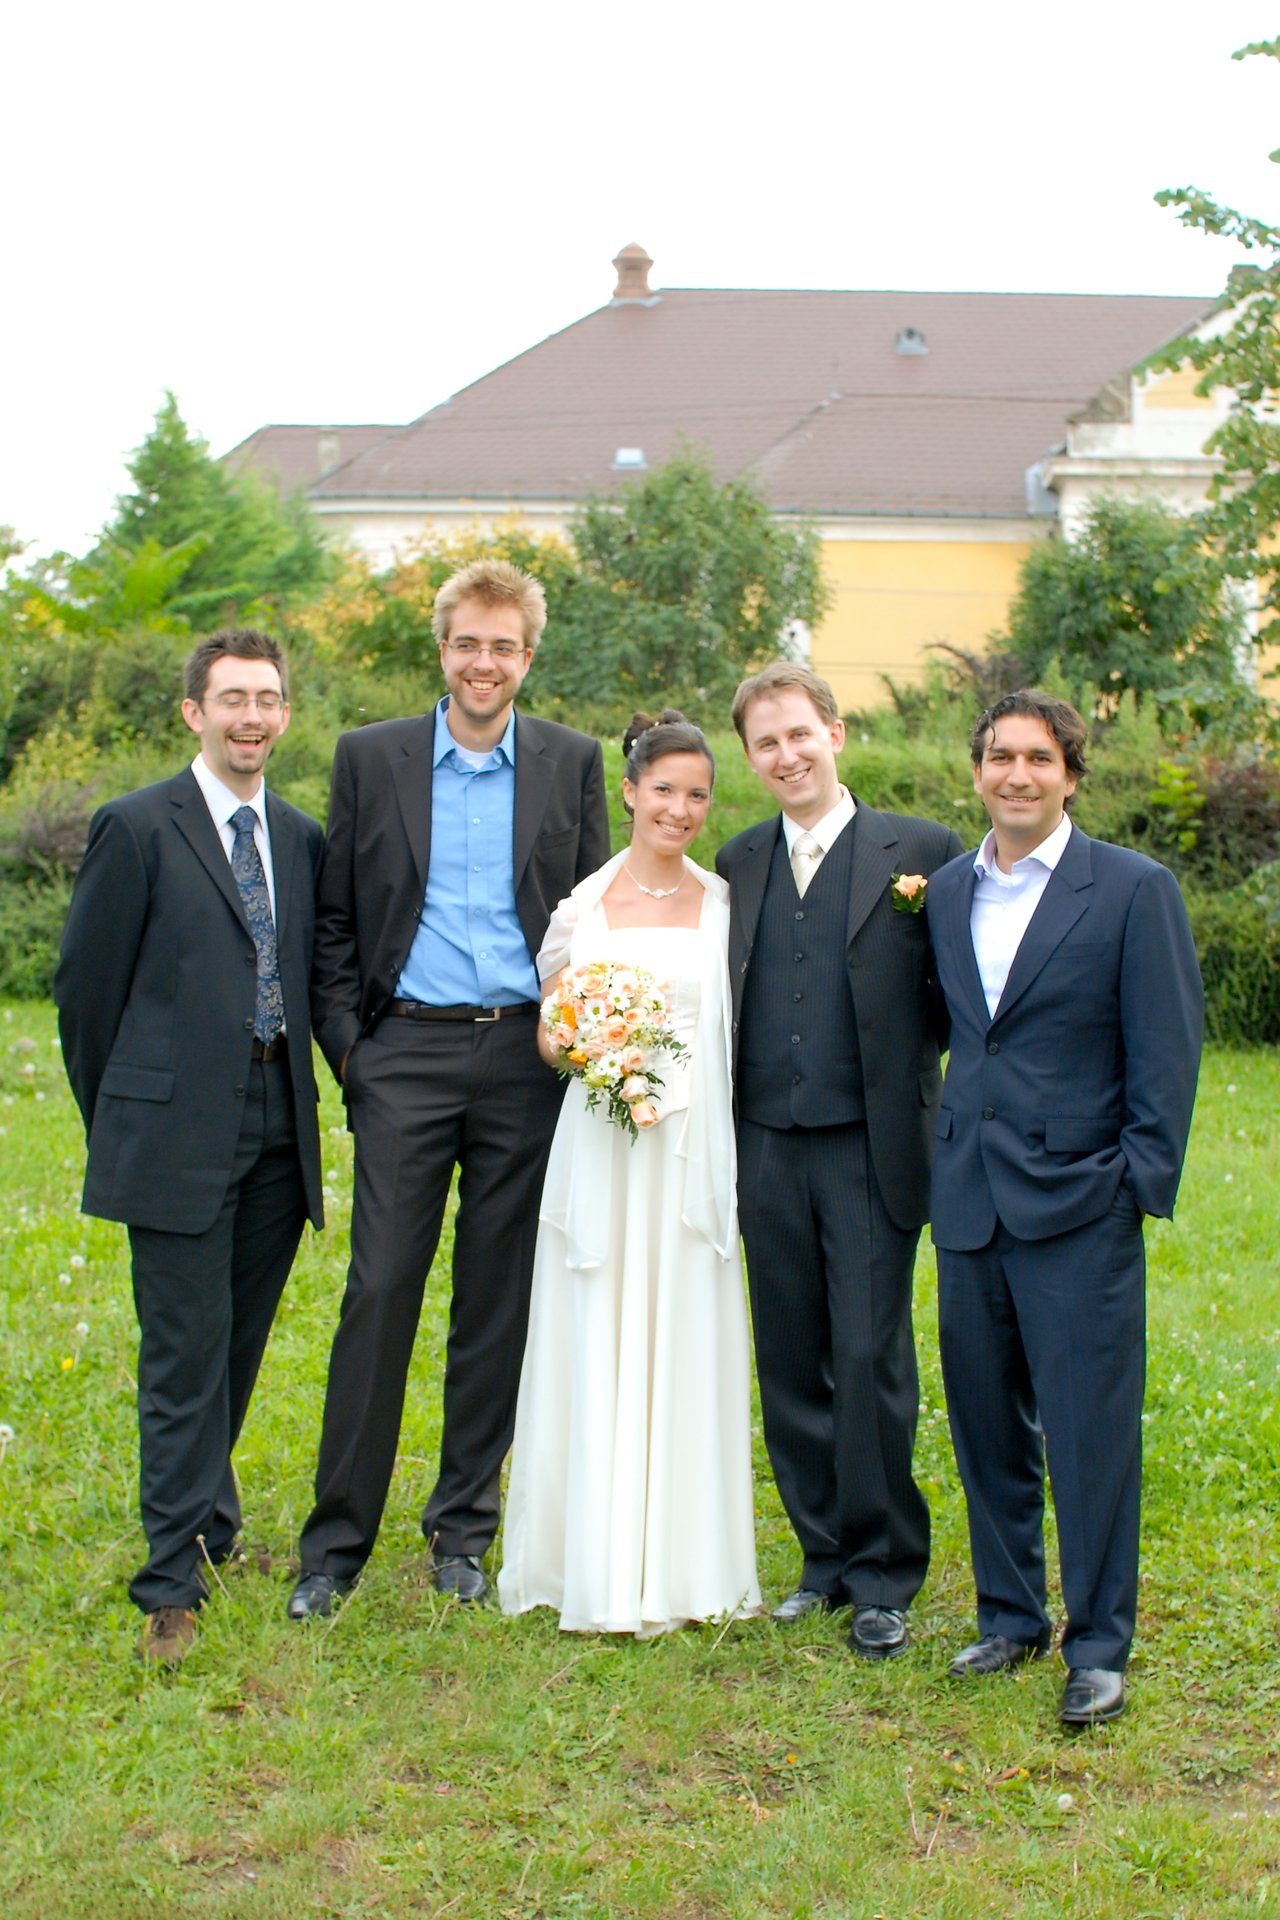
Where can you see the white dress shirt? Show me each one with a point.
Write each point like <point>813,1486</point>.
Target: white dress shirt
<point>222,803</point>
<point>1003,904</point>
<point>828,829</point>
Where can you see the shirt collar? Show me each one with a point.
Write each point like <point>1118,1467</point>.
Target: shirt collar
<point>444,742</point>
<point>828,829</point>
<point>1047,854</point>
<point>220,800</point>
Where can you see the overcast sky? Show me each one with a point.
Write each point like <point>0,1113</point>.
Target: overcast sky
<point>291,212</point>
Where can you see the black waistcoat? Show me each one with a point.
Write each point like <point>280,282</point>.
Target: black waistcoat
<point>799,1064</point>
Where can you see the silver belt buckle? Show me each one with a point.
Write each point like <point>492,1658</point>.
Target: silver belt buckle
<point>487,1019</point>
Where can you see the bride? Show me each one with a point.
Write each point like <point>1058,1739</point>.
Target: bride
<point>629,1507</point>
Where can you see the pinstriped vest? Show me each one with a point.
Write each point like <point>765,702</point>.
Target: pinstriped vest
<point>799,1063</point>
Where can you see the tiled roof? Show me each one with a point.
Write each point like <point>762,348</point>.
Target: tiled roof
<point>296,457</point>
<point>806,389</point>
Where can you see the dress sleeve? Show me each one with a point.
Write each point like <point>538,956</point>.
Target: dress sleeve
<point>553,954</point>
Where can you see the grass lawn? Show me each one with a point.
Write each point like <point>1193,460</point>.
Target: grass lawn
<point>409,1757</point>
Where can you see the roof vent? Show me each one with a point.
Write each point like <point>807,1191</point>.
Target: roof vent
<point>633,265</point>
<point>911,340</point>
<point>629,460</point>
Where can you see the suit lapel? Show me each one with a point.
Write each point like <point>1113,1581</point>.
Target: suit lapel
<point>950,916</point>
<point>194,822</point>
<point>411,777</point>
<point>750,879</point>
<point>874,848</point>
<point>284,862</point>
<point>1063,901</point>
<point>535,771</point>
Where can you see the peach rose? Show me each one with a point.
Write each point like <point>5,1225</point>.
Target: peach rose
<point>633,1060</point>
<point>644,1115</point>
<point>634,1088</point>
<point>909,885</point>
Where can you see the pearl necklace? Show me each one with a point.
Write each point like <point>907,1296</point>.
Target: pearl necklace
<point>654,893</point>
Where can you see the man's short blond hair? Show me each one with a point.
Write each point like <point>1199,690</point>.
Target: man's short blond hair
<point>783,676</point>
<point>494,583</point>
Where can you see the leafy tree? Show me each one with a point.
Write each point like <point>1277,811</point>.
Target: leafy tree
<point>685,584</point>
<point>1136,605</point>
<point>243,544</point>
<point>1243,512</point>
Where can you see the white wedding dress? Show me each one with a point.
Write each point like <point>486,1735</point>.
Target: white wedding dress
<point>629,1505</point>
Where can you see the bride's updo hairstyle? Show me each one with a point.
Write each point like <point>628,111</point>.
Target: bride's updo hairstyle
<point>647,739</point>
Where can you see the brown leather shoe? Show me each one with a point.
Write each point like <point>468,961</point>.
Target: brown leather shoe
<point>167,1636</point>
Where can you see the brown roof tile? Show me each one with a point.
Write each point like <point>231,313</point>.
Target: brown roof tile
<point>805,388</point>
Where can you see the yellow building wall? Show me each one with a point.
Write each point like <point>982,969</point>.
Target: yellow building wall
<point>893,598</point>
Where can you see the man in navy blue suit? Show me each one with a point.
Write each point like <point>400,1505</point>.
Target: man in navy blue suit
<point>1076,1014</point>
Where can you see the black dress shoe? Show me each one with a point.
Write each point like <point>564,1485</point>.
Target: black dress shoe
<point>315,1595</point>
<point>461,1575</point>
<point>804,1601</point>
<point>878,1633</point>
<point>1091,1695</point>
<point>995,1654</point>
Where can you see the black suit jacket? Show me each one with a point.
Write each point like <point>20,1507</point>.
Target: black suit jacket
<point>156,988</point>
<point>1086,1076</point>
<point>890,977</point>
<point>374,876</point>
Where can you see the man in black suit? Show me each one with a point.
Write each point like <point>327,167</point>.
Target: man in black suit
<point>1076,1013</point>
<point>837,1082</point>
<point>182,994</point>
<point>452,837</point>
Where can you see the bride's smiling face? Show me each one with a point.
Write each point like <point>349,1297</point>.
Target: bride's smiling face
<point>669,802</point>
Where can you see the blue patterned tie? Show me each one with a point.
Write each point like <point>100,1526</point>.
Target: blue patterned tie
<point>252,881</point>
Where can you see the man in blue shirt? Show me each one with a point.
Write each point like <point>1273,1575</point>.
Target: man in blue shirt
<point>452,837</point>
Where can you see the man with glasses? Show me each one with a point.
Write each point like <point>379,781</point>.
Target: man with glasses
<point>451,839</point>
<point>182,996</point>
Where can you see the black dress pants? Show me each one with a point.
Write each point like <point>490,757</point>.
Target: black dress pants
<point>422,1098</point>
<point>830,1281</point>
<point>205,1303</point>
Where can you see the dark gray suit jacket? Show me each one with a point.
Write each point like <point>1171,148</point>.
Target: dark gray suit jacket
<point>156,987</point>
<point>374,877</point>
<point>890,978</point>
<point>1086,1076</point>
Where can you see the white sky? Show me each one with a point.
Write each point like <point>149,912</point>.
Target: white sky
<point>313,212</point>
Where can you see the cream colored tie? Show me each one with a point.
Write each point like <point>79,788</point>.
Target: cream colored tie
<point>806,855</point>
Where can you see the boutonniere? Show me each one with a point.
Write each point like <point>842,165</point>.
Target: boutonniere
<point>906,890</point>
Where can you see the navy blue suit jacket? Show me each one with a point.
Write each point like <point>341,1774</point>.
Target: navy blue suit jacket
<point>1086,1076</point>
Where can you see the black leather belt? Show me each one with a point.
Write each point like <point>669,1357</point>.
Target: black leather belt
<point>269,1049</point>
<point>419,1010</point>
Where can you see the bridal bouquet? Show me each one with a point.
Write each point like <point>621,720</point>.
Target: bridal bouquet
<point>608,1022</point>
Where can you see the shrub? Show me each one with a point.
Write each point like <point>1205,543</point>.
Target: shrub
<point>1239,947</point>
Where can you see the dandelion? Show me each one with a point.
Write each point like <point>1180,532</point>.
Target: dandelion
<point>76,1260</point>
<point>64,1279</point>
<point>1228,1177</point>
<point>67,1363</point>
<point>1232,1087</point>
<point>1065,1802</point>
<point>82,1328</point>
<point>6,1435</point>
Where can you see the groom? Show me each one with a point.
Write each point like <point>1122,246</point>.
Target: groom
<point>837,1083</point>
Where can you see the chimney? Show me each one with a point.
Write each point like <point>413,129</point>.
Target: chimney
<point>633,265</point>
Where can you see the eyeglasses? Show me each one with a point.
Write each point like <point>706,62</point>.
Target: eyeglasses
<point>238,702</point>
<point>499,649</point>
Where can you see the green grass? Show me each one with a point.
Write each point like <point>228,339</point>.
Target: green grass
<point>411,1758</point>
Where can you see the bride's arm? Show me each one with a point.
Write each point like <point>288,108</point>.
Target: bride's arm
<point>553,964</point>
<point>549,1053</point>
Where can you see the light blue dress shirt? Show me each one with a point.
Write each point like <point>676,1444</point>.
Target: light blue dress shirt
<point>469,949</point>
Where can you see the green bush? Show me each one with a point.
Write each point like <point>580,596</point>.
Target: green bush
<point>1239,947</point>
